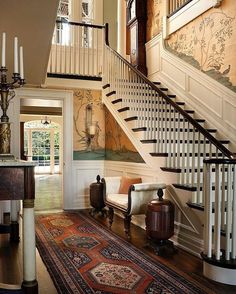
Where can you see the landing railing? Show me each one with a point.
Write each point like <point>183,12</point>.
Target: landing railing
<point>220,209</point>
<point>176,5</point>
<point>76,50</point>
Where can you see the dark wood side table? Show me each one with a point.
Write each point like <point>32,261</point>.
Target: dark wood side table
<point>160,224</point>
<point>96,197</point>
<point>17,183</point>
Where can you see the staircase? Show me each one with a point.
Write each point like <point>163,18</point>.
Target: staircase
<point>172,139</point>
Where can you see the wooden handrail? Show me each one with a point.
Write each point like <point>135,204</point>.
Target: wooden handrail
<point>226,152</point>
<point>81,24</point>
<point>219,161</point>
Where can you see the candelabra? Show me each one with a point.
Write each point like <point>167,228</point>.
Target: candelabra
<point>7,94</point>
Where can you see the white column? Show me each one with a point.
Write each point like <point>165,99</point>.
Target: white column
<point>14,210</point>
<point>29,249</point>
<point>30,145</point>
<point>52,151</point>
<point>121,27</point>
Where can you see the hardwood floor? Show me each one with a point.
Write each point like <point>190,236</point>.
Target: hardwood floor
<point>11,254</point>
<point>48,192</point>
<point>182,262</point>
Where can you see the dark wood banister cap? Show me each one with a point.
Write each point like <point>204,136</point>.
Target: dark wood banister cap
<point>81,24</point>
<point>219,161</point>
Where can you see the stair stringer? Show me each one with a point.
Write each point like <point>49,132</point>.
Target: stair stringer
<point>188,229</point>
<point>210,99</point>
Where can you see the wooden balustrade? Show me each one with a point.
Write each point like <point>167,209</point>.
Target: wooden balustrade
<point>176,5</point>
<point>220,209</point>
<point>172,130</point>
<point>180,137</point>
<point>76,50</point>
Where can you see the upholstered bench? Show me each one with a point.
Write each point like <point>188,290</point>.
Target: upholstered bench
<point>131,199</point>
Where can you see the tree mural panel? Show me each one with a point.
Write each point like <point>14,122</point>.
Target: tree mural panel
<point>118,145</point>
<point>88,125</point>
<point>209,43</point>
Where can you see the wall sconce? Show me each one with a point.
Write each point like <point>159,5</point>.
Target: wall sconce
<point>90,126</point>
<point>46,121</point>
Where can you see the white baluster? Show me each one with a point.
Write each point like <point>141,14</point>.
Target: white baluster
<point>234,214</point>
<point>199,200</point>
<point>217,225</point>
<point>228,213</point>
<point>208,211</point>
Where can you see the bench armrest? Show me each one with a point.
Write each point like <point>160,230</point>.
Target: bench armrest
<point>140,195</point>
<point>147,187</point>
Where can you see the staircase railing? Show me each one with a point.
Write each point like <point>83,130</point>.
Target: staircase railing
<point>176,5</point>
<point>220,210</point>
<point>76,50</point>
<point>185,143</point>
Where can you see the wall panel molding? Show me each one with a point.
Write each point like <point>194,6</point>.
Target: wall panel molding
<point>210,99</point>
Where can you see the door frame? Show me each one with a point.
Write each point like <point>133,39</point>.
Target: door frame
<point>66,96</point>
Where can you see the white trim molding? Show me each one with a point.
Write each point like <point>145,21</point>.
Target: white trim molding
<point>186,14</point>
<point>66,96</point>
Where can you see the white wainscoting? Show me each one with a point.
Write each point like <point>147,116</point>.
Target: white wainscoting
<point>210,100</point>
<point>84,173</point>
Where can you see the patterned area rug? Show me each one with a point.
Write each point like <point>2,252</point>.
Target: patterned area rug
<point>84,257</point>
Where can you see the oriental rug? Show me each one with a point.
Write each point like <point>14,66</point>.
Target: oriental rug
<point>82,256</point>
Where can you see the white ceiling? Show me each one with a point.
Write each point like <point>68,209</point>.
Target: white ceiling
<point>32,21</point>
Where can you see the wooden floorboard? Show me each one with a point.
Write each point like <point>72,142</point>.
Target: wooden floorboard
<point>182,262</point>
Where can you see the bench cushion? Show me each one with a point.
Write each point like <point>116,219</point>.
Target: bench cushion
<point>120,200</point>
<point>125,183</point>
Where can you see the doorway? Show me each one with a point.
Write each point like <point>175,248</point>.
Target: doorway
<point>43,146</point>
<point>48,102</point>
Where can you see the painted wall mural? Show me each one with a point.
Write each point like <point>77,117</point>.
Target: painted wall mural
<point>118,145</point>
<point>88,125</point>
<point>209,43</point>
<point>155,12</point>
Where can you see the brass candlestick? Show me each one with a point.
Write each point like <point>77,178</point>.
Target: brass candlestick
<point>7,94</point>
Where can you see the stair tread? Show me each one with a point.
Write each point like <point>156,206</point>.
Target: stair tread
<point>131,118</point>
<point>171,169</point>
<point>106,86</point>
<point>180,130</point>
<point>193,188</point>
<point>123,109</point>
<point>116,101</point>
<point>199,120</point>
<point>139,129</point>
<point>195,142</point>
<point>110,93</point>
<point>156,154</point>
<point>148,141</point>
<point>200,206</point>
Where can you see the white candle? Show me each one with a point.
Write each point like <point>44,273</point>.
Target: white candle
<point>92,130</point>
<point>15,55</point>
<point>3,49</point>
<point>21,63</point>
